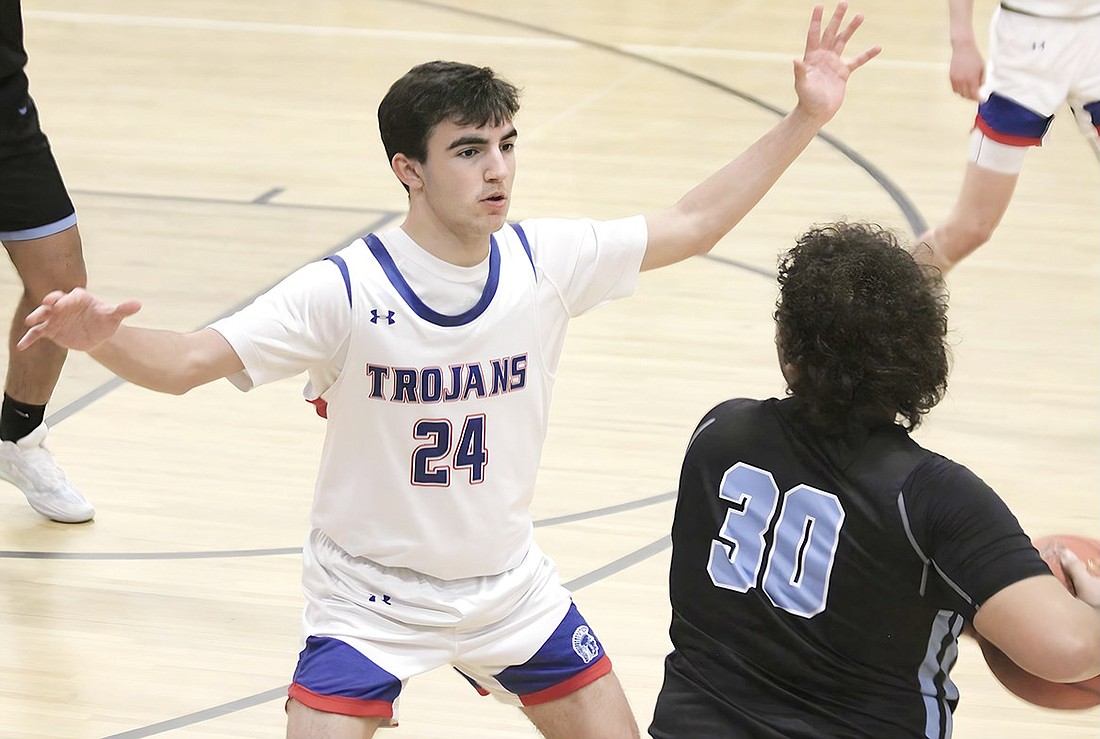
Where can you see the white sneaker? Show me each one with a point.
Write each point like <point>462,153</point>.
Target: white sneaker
<point>28,465</point>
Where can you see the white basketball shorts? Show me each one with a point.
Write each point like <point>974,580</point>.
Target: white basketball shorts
<point>1037,65</point>
<point>368,629</point>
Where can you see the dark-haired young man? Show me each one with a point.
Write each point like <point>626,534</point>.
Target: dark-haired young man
<point>431,349</point>
<point>824,564</point>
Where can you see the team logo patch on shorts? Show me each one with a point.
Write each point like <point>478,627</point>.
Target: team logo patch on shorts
<point>585,644</point>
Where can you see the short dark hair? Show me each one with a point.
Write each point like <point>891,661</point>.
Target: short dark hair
<point>864,327</point>
<point>436,91</point>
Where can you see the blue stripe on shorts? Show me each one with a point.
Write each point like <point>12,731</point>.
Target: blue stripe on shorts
<point>329,667</point>
<point>1011,123</point>
<point>569,651</point>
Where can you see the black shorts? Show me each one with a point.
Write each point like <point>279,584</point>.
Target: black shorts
<point>690,708</point>
<point>33,200</point>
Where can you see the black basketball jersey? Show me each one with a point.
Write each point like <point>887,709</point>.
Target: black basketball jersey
<point>819,586</point>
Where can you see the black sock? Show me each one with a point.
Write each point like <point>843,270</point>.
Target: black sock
<point>18,419</point>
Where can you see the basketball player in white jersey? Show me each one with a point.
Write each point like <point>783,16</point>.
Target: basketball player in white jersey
<point>1043,54</point>
<point>431,349</point>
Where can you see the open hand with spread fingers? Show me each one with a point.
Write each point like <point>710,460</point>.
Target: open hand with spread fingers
<point>821,75</point>
<point>75,320</point>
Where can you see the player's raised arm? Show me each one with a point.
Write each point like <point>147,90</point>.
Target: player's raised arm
<point>166,361</point>
<point>708,212</point>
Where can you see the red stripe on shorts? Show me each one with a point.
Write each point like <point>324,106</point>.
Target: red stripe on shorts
<point>340,704</point>
<point>593,672</point>
<point>1004,138</point>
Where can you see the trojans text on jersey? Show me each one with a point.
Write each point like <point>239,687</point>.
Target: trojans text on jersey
<point>457,382</point>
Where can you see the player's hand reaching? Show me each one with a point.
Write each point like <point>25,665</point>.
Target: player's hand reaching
<point>821,75</point>
<point>75,320</point>
<point>1085,576</point>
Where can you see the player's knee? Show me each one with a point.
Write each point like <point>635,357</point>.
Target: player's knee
<point>45,276</point>
<point>36,288</point>
<point>966,234</point>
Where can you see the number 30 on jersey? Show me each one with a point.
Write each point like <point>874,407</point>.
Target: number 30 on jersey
<point>804,540</point>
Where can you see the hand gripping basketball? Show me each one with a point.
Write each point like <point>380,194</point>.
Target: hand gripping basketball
<point>1033,689</point>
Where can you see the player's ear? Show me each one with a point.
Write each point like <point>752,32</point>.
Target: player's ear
<point>408,171</point>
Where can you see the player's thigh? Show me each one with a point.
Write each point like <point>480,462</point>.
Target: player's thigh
<point>599,710</point>
<point>985,195</point>
<point>53,262</point>
<point>540,650</point>
<point>361,644</point>
<point>38,222</point>
<point>303,722</point>
<point>545,658</point>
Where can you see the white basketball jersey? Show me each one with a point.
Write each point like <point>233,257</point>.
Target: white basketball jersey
<point>444,416</point>
<point>436,422</point>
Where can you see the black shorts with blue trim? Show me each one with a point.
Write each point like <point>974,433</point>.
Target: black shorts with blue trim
<point>33,199</point>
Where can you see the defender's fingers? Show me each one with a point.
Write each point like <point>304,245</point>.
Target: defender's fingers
<point>813,34</point>
<point>849,30</point>
<point>829,37</point>
<point>863,58</point>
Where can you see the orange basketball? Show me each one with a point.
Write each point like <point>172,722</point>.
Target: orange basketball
<point>1033,689</point>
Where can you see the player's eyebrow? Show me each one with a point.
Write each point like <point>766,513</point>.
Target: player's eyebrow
<point>474,140</point>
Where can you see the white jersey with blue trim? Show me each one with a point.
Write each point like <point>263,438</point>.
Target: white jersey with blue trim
<point>436,420</point>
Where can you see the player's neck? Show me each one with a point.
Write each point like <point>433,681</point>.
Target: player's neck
<point>461,248</point>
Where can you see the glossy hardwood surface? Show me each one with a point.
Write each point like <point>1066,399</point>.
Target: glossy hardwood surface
<point>212,148</point>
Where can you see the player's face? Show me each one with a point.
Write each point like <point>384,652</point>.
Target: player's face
<point>468,176</point>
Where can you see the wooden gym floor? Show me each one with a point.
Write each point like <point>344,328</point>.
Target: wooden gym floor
<point>213,147</point>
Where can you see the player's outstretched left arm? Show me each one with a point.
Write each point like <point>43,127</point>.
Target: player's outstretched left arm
<point>708,212</point>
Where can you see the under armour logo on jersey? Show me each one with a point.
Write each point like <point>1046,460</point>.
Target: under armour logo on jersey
<point>1038,45</point>
<point>375,316</point>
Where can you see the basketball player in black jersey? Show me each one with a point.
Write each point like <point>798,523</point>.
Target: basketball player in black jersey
<point>824,565</point>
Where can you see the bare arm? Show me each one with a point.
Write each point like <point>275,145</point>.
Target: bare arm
<point>1044,629</point>
<point>166,361</point>
<point>967,66</point>
<point>708,212</point>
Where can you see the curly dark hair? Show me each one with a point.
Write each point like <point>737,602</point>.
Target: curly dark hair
<point>861,327</point>
<point>436,91</point>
